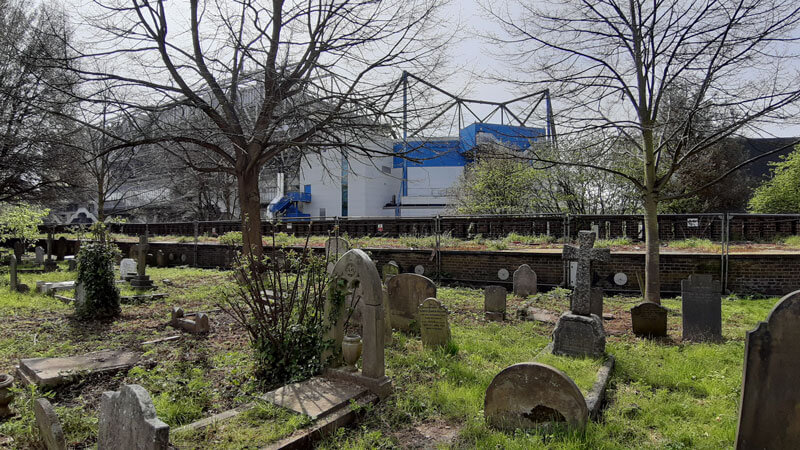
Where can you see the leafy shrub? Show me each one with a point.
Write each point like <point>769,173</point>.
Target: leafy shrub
<point>286,328</point>
<point>231,238</point>
<point>96,275</point>
<point>21,222</point>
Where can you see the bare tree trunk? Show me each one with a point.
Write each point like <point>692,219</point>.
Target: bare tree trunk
<point>250,204</point>
<point>652,277</point>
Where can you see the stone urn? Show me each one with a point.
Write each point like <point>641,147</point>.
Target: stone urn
<point>351,351</point>
<point>5,395</point>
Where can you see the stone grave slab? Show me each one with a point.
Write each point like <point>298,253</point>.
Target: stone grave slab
<point>406,292</point>
<point>530,312</point>
<point>49,426</point>
<point>525,283</point>
<point>52,288</point>
<point>534,395</point>
<point>769,416</point>
<point>317,396</point>
<point>577,335</point>
<point>649,319</point>
<point>128,420</point>
<point>57,371</point>
<point>701,308</point>
<point>433,323</point>
<point>494,303</point>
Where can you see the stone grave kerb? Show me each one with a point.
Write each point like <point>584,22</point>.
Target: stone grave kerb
<point>585,254</point>
<point>361,277</point>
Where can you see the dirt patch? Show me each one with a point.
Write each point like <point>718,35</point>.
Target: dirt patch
<point>427,435</point>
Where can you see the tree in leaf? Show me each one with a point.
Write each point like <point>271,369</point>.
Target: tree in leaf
<point>781,193</point>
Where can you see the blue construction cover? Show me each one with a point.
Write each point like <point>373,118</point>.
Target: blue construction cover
<point>450,152</point>
<point>280,204</point>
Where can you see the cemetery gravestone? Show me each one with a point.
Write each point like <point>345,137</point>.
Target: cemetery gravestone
<point>61,248</point>
<point>12,273</point>
<point>161,259</point>
<point>649,320</point>
<point>39,252</point>
<point>702,308</point>
<point>533,395</point>
<point>524,281</point>
<point>769,416</point>
<point>128,420</point>
<point>336,247</point>
<point>49,264</point>
<point>127,269</point>
<point>433,323</point>
<point>141,280</point>
<point>390,270</point>
<point>72,265</point>
<point>406,292</point>
<point>579,332</point>
<point>49,426</point>
<point>494,303</point>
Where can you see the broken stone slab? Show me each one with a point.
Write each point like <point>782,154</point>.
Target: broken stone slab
<point>57,371</point>
<point>198,325</point>
<point>528,312</point>
<point>577,335</point>
<point>133,299</point>
<point>49,425</point>
<point>316,397</point>
<point>128,421</point>
<point>50,288</point>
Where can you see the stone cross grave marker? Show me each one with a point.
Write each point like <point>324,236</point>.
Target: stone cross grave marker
<point>361,279</point>
<point>127,269</point>
<point>12,273</point>
<point>406,292</point>
<point>533,395</point>
<point>49,426</point>
<point>494,303</point>
<point>524,281</point>
<point>769,416</point>
<point>579,332</point>
<point>433,323</point>
<point>128,420</point>
<point>649,319</point>
<point>702,308</point>
<point>39,252</point>
<point>141,280</point>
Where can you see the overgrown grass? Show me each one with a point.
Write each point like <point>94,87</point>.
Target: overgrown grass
<point>616,242</point>
<point>696,244</point>
<point>791,241</point>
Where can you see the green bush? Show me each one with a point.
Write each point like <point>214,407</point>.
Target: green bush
<point>781,193</point>
<point>231,238</point>
<point>96,275</point>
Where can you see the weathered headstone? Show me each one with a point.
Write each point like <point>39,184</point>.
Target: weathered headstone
<point>56,371</point>
<point>533,395</point>
<point>61,248</point>
<point>335,247</point>
<point>49,264</point>
<point>579,332</point>
<point>161,258</point>
<point>433,323</point>
<point>128,420</point>
<point>72,265</point>
<point>127,269</point>
<point>769,416</point>
<point>49,426</point>
<point>141,280</point>
<point>390,270</point>
<point>197,324</point>
<point>494,303</point>
<point>39,252</point>
<point>12,273</point>
<point>649,319</point>
<point>406,292</point>
<point>80,295</point>
<point>357,275</point>
<point>702,308</point>
<point>524,281</point>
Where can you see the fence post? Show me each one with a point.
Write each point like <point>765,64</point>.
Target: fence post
<point>437,227</point>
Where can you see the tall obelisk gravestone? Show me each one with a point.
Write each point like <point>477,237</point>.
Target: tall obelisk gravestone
<point>579,332</point>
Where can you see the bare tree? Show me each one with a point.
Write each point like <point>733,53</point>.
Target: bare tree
<point>612,65</point>
<point>246,80</point>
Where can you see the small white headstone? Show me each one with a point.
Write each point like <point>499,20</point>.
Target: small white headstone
<point>39,255</point>
<point>127,268</point>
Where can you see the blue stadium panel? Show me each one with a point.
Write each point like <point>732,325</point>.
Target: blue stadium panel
<point>513,136</point>
<point>439,153</point>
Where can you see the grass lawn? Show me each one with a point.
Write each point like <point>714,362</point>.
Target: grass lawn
<point>665,394</point>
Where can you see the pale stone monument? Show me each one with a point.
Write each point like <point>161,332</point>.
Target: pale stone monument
<point>406,292</point>
<point>702,308</point>
<point>49,426</point>
<point>494,303</point>
<point>769,416</point>
<point>355,274</point>
<point>433,323</point>
<point>525,281</point>
<point>128,420</point>
<point>197,324</point>
<point>127,269</point>
<point>579,332</point>
<point>39,252</point>
<point>533,395</point>
<point>141,280</point>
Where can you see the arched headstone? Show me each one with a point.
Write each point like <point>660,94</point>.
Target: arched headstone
<point>533,395</point>
<point>525,283</point>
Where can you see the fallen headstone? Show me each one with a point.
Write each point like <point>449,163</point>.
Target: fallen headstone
<point>57,371</point>
<point>525,281</point>
<point>530,312</point>
<point>406,292</point>
<point>198,324</point>
<point>128,421</point>
<point>534,395</point>
<point>494,303</point>
<point>702,308</point>
<point>49,426</point>
<point>649,319</point>
<point>433,323</point>
<point>769,416</point>
<point>316,397</point>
